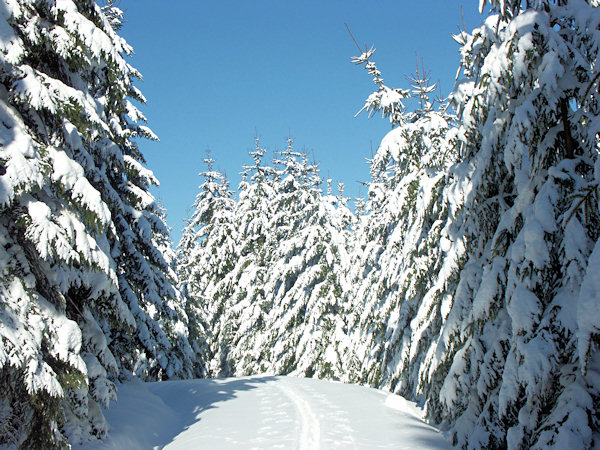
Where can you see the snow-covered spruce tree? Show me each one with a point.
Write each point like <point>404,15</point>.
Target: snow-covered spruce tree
<point>519,350</point>
<point>399,302</point>
<point>244,322</point>
<point>84,291</point>
<point>206,253</point>
<point>276,307</point>
<point>305,324</point>
<point>176,301</point>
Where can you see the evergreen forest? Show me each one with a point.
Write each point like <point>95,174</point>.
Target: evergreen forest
<point>468,280</point>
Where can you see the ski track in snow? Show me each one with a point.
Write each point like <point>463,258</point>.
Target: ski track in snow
<point>263,412</point>
<point>310,434</point>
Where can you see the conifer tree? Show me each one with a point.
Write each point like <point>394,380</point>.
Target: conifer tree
<point>272,297</point>
<point>398,302</point>
<point>305,322</point>
<point>500,342</point>
<point>516,331</point>
<point>86,296</point>
<point>206,254</point>
<point>246,319</point>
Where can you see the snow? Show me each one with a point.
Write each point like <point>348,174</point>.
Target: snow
<point>263,412</point>
<point>588,313</point>
<point>524,308</point>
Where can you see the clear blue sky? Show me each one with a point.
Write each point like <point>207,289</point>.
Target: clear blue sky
<point>216,74</point>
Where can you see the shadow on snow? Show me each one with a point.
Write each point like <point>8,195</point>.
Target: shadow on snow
<point>148,415</point>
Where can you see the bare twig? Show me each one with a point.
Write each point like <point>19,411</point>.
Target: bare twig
<point>589,88</point>
<point>352,36</point>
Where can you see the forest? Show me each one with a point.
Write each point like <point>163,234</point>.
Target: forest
<point>467,281</point>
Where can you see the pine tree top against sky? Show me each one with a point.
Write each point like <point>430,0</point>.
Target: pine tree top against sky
<point>217,75</point>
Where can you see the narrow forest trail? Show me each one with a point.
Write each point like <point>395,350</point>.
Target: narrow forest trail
<point>264,412</point>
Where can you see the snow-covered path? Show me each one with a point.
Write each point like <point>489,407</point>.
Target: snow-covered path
<point>264,412</point>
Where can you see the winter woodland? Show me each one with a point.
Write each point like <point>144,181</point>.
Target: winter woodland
<point>468,280</point>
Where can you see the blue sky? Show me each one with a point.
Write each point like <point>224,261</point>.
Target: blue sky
<point>217,74</point>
